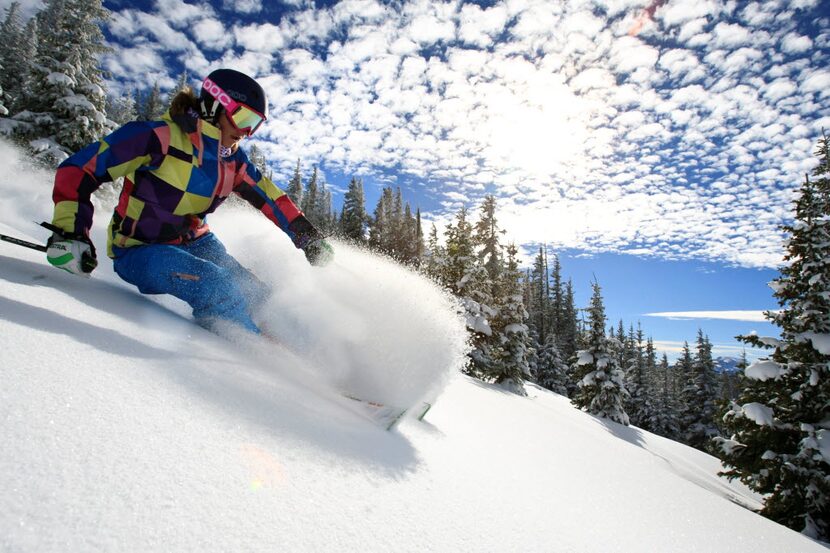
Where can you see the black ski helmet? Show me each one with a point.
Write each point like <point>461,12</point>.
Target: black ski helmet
<point>238,86</point>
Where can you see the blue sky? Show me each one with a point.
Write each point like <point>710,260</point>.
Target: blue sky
<point>655,143</point>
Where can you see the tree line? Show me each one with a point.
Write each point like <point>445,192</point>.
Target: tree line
<point>769,423</point>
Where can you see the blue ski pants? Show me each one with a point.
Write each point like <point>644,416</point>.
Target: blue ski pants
<point>201,272</point>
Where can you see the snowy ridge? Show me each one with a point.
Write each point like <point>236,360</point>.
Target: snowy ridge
<point>127,428</point>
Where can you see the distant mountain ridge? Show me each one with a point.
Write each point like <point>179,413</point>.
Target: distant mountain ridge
<point>727,364</point>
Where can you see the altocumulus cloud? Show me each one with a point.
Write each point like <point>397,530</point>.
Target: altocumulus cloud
<point>678,131</point>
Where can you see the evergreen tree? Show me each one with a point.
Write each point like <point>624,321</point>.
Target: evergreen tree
<point>487,235</point>
<point>310,199</point>
<point>601,390</point>
<point>419,236</point>
<point>511,361</point>
<point>489,283</point>
<point>538,301</point>
<point>15,58</point>
<point>435,258</point>
<point>65,99</point>
<point>779,424</point>
<point>558,316</point>
<point>295,186</point>
<point>699,397</point>
<point>567,336</point>
<point>121,109</point>
<point>183,83</point>
<point>381,223</point>
<point>408,254</point>
<point>684,389</point>
<point>396,239</point>
<point>664,420</point>
<point>324,210</point>
<point>468,280</point>
<point>354,218</point>
<point>257,159</point>
<point>638,404</point>
<point>3,110</point>
<point>150,105</point>
<point>552,371</point>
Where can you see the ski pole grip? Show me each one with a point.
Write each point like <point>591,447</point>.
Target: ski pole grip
<point>57,230</point>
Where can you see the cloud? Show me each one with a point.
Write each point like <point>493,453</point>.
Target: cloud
<point>260,37</point>
<point>793,43</point>
<point>212,34</point>
<point>182,14</point>
<point>748,316</point>
<point>686,141</point>
<point>478,27</point>
<point>817,81</point>
<point>243,6</point>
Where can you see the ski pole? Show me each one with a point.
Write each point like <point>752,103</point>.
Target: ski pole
<point>25,244</point>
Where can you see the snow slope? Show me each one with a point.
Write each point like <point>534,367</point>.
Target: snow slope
<point>124,427</point>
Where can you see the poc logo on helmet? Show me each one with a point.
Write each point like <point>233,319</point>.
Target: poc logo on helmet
<point>217,92</point>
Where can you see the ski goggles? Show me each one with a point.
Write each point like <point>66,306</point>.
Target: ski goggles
<point>244,118</point>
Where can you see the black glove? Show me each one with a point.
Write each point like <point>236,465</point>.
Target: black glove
<point>319,252</point>
<point>309,239</point>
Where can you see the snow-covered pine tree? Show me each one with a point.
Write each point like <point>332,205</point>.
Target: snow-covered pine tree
<point>182,83</point>
<point>295,186</point>
<point>15,62</point>
<point>418,252</point>
<point>730,384</point>
<point>487,238</point>
<point>324,210</point>
<point>538,300</point>
<point>65,100</point>
<point>3,110</point>
<point>638,404</point>
<point>780,425</point>
<point>381,224</point>
<point>683,390</point>
<point>149,105</point>
<point>23,53</point>
<point>397,228</point>
<point>409,253</point>
<point>311,196</point>
<point>510,365</point>
<point>568,331</point>
<point>552,371</point>
<point>699,397</point>
<point>468,280</point>
<point>489,265</point>
<point>257,158</point>
<point>121,109</point>
<point>435,257</point>
<point>558,310</point>
<point>623,347</point>
<point>354,218</point>
<point>664,418</point>
<point>600,382</point>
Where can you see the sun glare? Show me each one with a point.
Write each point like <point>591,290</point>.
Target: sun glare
<point>539,139</point>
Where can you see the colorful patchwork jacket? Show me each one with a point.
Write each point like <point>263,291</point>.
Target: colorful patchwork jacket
<point>173,178</point>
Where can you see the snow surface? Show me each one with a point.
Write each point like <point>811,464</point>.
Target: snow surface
<point>821,342</point>
<point>763,370</point>
<point>759,413</point>
<point>125,427</point>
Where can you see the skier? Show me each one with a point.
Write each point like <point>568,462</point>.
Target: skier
<point>176,171</point>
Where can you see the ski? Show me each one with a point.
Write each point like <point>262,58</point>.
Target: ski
<point>423,410</point>
<point>385,416</point>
